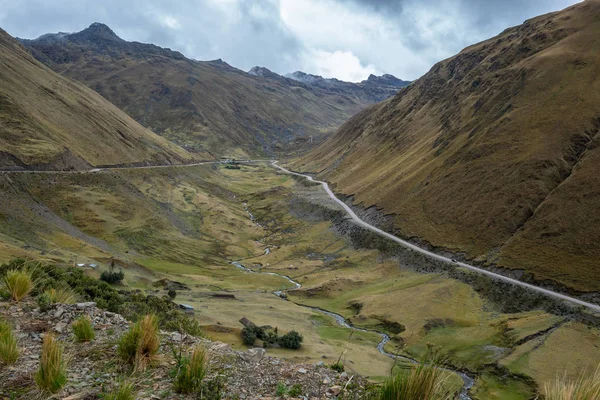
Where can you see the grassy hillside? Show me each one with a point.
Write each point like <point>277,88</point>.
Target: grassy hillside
<point>48,121</point>
<point>204,106</point>
<point>494,152</point>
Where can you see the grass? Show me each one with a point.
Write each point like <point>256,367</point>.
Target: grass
<point>123,392</point>
<point>424,382</point>
<point>585,387</point>
<point>83,329</point>
<point>9,351</point>
<point>139,346</point>
<point>52,373</point>
<point>18,283</point>
<point>61,296</point>
<point>192,371</point>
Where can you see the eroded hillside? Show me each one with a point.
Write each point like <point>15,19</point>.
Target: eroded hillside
<point>493,152</point>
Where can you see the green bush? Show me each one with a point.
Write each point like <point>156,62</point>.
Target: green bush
<point>44,301</point>
<point>281,389</point>
<point>291,340</point>
<point>140,344</point>
<point>112,276</point>
<point>425,381</point>
<point>18,283</point>
<point>9,352</point>
<point>83,329</point>
<point>295,391</point>
<point>248,336</point>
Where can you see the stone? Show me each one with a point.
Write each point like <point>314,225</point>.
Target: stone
<point>88,304</point>
<point>335,390</point>
<point>253,355</point>
<point>302,370</point>
<point>320,364</point>
<point>343,375</point>
<point>326,381</point>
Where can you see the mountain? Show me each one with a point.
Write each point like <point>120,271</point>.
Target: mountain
<point>373,89</point>
<point>493,153</point>
<point>202,105</point>
<point>48,121</point>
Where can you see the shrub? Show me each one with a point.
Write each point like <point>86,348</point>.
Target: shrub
<point>123,392</point>
<point>192,371</point>
<point>425,381</point>
<point>18,283</point>
<point>172,294</point>
<point>140,344</point>
<point>9,352</point>
<point>61,295</point>
<point>585,387</point>
<point>112,276</point>
<point>337,366</point>
<point>83,329</point>
<point>248,336</point>
<point>281,389</point>
<point>51,375</point>
<point>43,301</point>
<point>295,391</point>
<point>291,340</point>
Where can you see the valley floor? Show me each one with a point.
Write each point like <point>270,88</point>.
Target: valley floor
<point>189,224</point>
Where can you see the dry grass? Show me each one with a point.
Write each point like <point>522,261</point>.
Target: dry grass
<point>586,387</point>
<point>18,283</point>
<point>424,382</point>
<point>52,373</point>
<point>61,295</point>
<point>192,371</point>
<point>123,392</point>
<point>9,351</point>
<point>139,346</point>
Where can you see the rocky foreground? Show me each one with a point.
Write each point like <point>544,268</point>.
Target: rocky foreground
<point>95,369</point>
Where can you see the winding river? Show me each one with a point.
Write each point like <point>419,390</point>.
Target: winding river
<point>468,381</point>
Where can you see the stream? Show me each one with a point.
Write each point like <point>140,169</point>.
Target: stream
<point>468,381</point>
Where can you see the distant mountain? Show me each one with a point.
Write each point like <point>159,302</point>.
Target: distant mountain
<point>374,89</point>
<point>495,152</point>
<point>202,105</point>
<point>51,122</point>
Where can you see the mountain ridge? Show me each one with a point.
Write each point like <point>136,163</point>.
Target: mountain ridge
<point>491,152</point>
<point>204,106</point>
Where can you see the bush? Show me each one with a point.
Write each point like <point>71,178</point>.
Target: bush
<point>248,336</point>
<point>295,391</point>
<point>112,276</point>
<point>291,340</point>
<point>43,301</point>
<point>9,352</point>
<point>61,295</point>
<point>83,329</point>
<point>585,387</point>
<point>140,344</point>
<point>18,283</point>
<point>192,371</point>
<point>52,374</point>
<point>281,389</point>
<point>172,294</point>
<point>123,392</point>
<point>337,367</point>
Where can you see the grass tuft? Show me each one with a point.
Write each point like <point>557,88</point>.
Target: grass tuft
<point>83,329</point>
<point>586,387</point>
<point>9,351</point>
<point>139,346</point>
<point>52,373</point>
<point>425,382</point>
<point>123,392</point>
<point>61,295</point>
<point>18,283</point>
<point>192,371</point>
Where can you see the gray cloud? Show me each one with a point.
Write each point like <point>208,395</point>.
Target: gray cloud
<point>343,38</point>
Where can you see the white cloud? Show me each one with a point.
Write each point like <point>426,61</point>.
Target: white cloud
<point>342,65</point>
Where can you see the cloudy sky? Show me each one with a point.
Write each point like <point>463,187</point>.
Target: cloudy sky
<point>346,39</point>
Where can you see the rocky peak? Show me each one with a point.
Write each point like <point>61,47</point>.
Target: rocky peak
<point>96,32</point>
<point>263,72</point>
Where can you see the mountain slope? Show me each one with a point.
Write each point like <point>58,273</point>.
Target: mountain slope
<point>205,106</point>
<point>48,121</point>
<point>494,152</point>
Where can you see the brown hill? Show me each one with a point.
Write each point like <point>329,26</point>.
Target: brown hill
<point>48,121</point>
<point>204,106</point>
<point>494,152</point>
